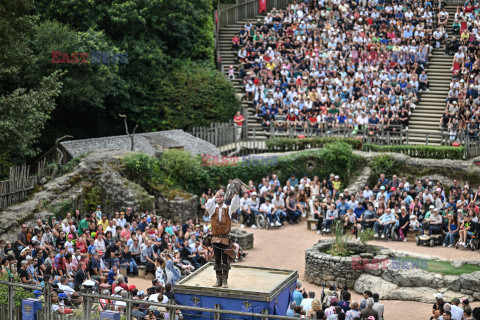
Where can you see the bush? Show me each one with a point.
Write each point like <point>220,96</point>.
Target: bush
<point>182,170</point>
<point>4,166</point>
<point>178,169</point>
<point>290,144</point>
<point>419,151</point>
<point>383,164</point>
<point>174,169</point>
<point>20,293</point>
<point>61,208</point>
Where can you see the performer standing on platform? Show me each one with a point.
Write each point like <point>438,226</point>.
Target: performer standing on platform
<point>220,214</point>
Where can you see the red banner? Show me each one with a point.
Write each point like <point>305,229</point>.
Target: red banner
<point>262,6</point>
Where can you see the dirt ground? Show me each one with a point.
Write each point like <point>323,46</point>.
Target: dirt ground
<point>284,248</point>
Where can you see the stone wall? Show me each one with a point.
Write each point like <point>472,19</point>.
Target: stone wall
<point>377,275</point>
<point>244,239</point>
<point>322,267</point>
<point>178,209</point>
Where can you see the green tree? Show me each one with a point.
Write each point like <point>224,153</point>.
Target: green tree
<point>16,24</point>
<point>23,114</point>
<point>192,95</point>
<point>86,85</point>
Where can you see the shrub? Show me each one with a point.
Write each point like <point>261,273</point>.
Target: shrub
<point>61,208</point>
<point>20,293</point>
<point>179,169</point>
<point>383,164</point>
<point>290,144</point>
<point>419,151</point>
<point>366,235</point>
<point>192,95</point>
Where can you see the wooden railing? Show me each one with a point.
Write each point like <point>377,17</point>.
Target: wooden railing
<point>218,134</point>
<point>471,142</point>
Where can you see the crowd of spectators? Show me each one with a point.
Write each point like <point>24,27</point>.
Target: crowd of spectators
<point>72,251</point>
<point>462,112</point>
<point>394,205</point>
<point>421,205</point>
<point>328,64</point>
<point>104,251</point>
<point>335,304</point>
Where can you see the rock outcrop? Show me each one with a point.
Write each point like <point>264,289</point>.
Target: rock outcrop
<point>391,291</point>
<point>97,179</point>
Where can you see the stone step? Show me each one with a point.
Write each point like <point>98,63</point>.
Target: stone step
<point>416,123</point>
<point>439,68</point>
<point>429,109</point>
<point>430,94</point>
<point>434,92</point>
<point>433,100</point>
<point>440,60</point>
<point>424,114</point>
<point>420,136</point>
<point>413,130</point>
<point>434,86</point>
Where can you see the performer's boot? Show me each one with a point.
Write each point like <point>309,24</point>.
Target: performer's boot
<point>226,268</point>
<point>225,279</point>
<point>218,271</point>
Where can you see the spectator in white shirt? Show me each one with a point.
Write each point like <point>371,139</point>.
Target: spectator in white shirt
<point>307,302</point>
<point>457,312</point>
<point>270,211</point>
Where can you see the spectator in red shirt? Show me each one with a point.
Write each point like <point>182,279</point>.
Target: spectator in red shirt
<point>235,43</point>
<point>238,119</point>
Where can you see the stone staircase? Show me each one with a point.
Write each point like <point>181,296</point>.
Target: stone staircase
<point>228,58</point>
<point>426,116</point>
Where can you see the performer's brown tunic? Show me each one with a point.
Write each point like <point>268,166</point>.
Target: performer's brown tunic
<point>220,230</point>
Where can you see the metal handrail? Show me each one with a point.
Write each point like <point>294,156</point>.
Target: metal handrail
<point>189,308</point>
<point>88,297</point>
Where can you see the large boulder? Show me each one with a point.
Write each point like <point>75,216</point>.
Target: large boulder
<point>375,284</point>
<point>391,291</point>
<point>244,239</point>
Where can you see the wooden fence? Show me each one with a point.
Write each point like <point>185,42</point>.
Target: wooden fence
<point>218,134</point>
<point>19,184</point>
<point>17,313</point>
<point>229,142</point>
<point>462,138</point>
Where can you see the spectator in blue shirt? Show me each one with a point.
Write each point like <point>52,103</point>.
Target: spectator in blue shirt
<point>297,294</point>
<point>385,222</point>
<point>383,181</point>
<point>359,210</point>
<point>342,206</point>
<point>293,181</point>
<point>407,33</point>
